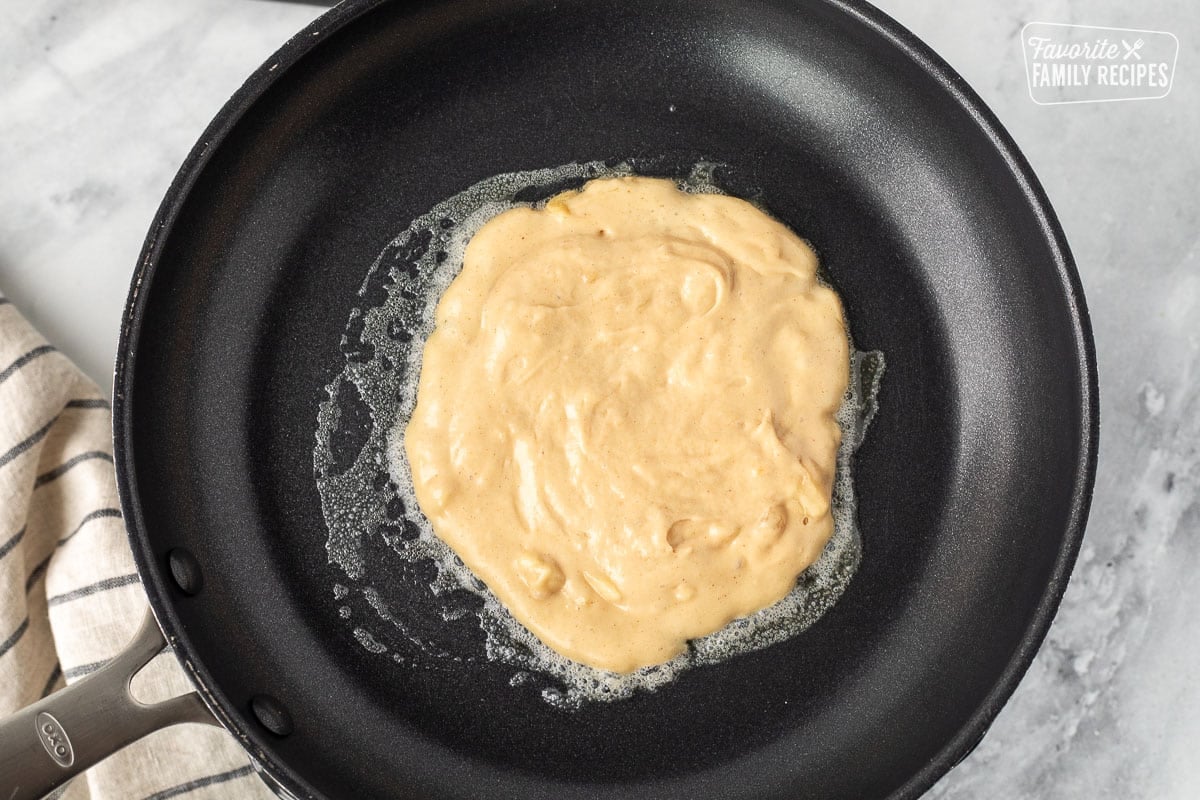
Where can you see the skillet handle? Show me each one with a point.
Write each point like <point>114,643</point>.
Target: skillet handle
<point>45,745</point>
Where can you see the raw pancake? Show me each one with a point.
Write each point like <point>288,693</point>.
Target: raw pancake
<point>625,421</point>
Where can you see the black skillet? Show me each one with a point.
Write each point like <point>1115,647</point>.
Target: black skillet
<point>974,479</point>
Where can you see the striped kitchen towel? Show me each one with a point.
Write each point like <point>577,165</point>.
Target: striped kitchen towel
<point>70,598</point>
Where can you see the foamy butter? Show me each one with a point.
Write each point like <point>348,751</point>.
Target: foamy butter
<point>626,421</point>
<point>363,478</point>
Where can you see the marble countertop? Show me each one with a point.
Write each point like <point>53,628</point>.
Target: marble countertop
<point>99,102</point>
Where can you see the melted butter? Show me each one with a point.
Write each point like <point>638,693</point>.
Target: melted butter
<point>625,421</point>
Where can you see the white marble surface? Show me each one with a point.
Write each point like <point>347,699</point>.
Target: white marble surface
<point>99,102</point>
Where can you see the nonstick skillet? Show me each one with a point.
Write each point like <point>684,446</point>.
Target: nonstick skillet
<point>974,480</point>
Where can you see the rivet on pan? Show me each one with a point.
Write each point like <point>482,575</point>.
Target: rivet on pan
<point>185,569</point>
<point>271,714</point>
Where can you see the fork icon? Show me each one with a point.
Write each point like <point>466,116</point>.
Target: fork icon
<point>1132,49</point>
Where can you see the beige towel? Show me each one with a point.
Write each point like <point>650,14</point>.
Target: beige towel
<point>70,597</point>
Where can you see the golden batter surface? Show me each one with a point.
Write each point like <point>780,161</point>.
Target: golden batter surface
<point>625,416</point>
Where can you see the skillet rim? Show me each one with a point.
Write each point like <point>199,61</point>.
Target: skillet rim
<point>236,721</point>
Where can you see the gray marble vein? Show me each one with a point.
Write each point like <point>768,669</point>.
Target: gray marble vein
<point>99,102</point>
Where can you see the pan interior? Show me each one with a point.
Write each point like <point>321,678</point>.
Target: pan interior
<point>971,483</point>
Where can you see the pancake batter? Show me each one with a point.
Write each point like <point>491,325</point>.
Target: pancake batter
<point>625,416</point>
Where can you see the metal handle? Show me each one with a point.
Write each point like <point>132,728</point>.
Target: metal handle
<point>45,745</point>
